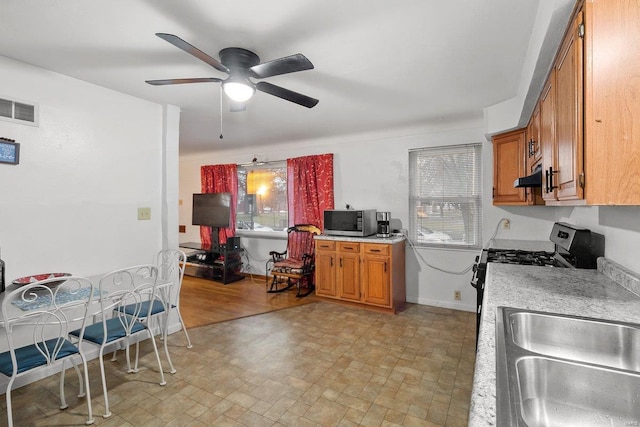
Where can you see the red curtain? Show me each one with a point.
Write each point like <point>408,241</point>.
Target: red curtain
<point>309,189</point>
<point>220,179</point>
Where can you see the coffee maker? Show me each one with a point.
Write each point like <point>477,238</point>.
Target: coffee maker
<point>384,229</point>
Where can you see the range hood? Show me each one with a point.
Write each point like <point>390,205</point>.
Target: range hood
<point>533,180</point>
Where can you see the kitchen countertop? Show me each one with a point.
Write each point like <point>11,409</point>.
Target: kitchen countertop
<point>396,238</point>
<point>588,293</point>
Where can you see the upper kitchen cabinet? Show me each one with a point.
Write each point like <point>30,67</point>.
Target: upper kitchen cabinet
<point>612,102</point>
<point>596,137</point>
<point>561,106</point>
<point>508,164</point>
<point>588,113</point>
<point>533,148</point>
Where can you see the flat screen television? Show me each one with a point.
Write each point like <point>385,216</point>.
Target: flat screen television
<point>212,210</point>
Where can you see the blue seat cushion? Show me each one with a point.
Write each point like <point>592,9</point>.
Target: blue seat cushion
<point>156,308</point>
<point>28,357</point>
<point>115,330</point>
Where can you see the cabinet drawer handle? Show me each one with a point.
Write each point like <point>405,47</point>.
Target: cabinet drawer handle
<point>375,250</point>
<point>348,247</point>
<point>551,172</point>
<point>340,262</point>
<point>532,149</point>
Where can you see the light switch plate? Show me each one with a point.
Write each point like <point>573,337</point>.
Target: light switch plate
<point>144,214</point>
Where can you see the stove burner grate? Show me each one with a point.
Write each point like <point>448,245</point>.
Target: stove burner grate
<point>512,256</point>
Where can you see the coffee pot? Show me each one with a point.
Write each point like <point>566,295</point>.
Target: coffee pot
<point>384,229</point>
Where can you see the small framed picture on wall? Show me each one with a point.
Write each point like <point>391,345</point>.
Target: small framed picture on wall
<point>9,152</point>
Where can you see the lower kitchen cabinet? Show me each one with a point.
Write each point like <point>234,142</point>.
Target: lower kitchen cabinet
<point>366,272</point>
<point>325,279</point>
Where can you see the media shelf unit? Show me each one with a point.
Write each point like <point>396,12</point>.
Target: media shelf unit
<point>220,263</point>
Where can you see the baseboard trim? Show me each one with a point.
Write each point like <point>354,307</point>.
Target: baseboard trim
<point>444,304</point>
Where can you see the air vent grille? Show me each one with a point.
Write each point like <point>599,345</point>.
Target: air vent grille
<point>6,108</point>
<point>18,112</point>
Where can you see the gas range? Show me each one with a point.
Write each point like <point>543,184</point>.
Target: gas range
<point>575,247</point>
<point>521,257</point>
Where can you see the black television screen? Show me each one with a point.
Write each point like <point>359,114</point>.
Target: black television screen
<point>212,209</point>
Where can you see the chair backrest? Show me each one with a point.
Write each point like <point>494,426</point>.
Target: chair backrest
<point>41,314</point>
<point>125,288</point>
<point>171,264</point>
<point>300,240</point>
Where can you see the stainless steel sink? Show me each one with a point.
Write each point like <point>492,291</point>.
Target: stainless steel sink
<point>584,340</point>
<point>558,370</point>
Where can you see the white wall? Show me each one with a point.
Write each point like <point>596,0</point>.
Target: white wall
<point>97,155</point>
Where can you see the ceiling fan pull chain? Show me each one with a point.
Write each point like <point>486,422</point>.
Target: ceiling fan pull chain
<point>221,112</point>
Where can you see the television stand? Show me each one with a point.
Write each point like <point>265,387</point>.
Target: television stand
<point>220,263</point>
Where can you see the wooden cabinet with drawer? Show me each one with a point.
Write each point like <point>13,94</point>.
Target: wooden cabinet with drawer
<point>325,280</point>
<point>363,273</point>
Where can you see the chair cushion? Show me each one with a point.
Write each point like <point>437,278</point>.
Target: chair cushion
<point>28,357</point>
<point>115,330</point>
<point>156,308</point>
<point>291,266</point>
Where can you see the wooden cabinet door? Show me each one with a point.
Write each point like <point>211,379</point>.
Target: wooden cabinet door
<point>508,164</point>
<point>377,281</point>
<point>326,273</point>
<point>548,138</point>
<point>568,115</point>
<point>533,149</point>
<point>612,106</point>
<point>349,276</point>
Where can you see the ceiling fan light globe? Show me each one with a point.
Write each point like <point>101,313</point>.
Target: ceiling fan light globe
<point>238,91</point>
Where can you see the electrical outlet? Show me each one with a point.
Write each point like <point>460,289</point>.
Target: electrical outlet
<point>144,214</point>
<point>506,224</point>
<point>457,296</point>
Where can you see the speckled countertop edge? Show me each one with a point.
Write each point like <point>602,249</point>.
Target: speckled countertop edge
<point>619,274</point>
<point>370,239</point>
<point>588,293</point>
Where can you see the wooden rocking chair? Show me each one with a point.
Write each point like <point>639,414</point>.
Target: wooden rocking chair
<point>294,266</point>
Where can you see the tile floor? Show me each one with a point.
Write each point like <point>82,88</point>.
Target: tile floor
<point>319,364</point>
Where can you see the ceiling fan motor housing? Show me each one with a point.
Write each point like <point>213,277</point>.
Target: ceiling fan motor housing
<point>238,60</point>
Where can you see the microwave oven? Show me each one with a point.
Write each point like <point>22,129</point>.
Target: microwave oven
<point>354,223</point>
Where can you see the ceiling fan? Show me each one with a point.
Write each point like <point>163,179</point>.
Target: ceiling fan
<point>241,65</point>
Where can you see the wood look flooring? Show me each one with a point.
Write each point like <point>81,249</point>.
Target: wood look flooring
<point>204,302</point>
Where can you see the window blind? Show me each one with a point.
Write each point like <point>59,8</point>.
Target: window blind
<point>445,196</point>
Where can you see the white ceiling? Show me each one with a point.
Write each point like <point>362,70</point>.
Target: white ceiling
<point>378,64</point>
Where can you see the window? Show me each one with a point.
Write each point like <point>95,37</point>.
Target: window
<point>445,196</point>
<point>262,197</point>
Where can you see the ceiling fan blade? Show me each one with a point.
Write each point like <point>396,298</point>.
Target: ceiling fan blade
<point>180,81</point>
<point>288,64</point>
<point>289,95</point>
<point>181,44</point>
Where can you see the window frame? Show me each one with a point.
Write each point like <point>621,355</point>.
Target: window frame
<point>474,200</point>
<point>242,193</point>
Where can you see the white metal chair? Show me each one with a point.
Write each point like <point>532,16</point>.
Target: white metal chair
<point>170,264</point>
<point>134,287</point>
<point>37,318</point>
